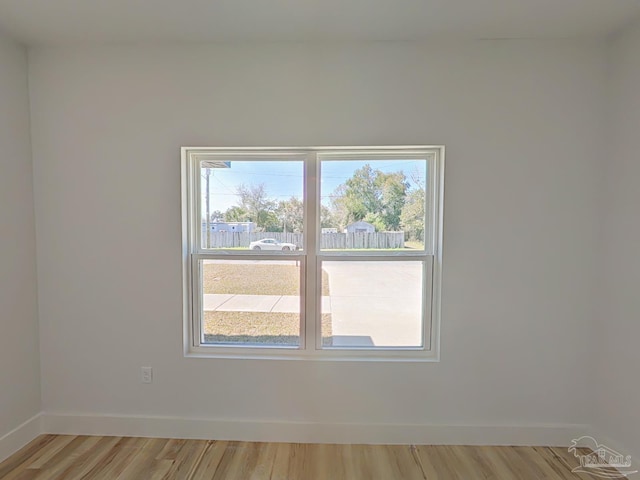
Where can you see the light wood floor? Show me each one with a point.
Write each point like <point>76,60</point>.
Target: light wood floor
<point>69,457</point>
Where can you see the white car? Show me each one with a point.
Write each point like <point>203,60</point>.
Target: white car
<point>272,244</point>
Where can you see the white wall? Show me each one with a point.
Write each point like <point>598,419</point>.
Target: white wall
<point>618,388</point>
<point>520,120</point>
<point>19,357</point>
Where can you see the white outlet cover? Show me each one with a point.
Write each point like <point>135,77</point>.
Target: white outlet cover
<point>147,374</point>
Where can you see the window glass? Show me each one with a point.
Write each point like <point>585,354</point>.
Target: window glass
<point>252,205</point>
<point>373,204</point>
<point>372,303</point>
<point>253,302</point>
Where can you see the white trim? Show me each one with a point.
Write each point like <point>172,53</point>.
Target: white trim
<point>438,246</point>
<point>361,148</point>
<point>306,432</point>
<point>310,347</point>
<point>20,436</point>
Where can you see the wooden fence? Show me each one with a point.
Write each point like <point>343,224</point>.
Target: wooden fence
<point>378,240</point>
<point>242,239</point>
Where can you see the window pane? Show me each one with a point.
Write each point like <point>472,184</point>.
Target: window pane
<point>251,302</point>
<point>377,204</point>
<point>372,303</point>
<point>252,205</point>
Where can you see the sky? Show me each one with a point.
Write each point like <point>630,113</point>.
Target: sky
<point>284,179</point>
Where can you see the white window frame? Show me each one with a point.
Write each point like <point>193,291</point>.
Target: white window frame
<point>311,256</point>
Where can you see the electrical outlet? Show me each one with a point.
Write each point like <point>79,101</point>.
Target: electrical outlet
<point>147,374</point>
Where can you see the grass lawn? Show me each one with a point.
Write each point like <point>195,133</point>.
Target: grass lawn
<point>255,279</point>
<point>256,327</point>
<point>407,246</point>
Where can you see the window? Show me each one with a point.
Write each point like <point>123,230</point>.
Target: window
<point>312,253</point>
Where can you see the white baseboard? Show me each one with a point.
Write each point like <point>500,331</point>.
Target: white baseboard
<point>17,438</point>
<point>299,432</point>
<point>603,439</point>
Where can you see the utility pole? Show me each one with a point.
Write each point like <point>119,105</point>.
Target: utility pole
<point>208,165</point>
<point>208,221</point>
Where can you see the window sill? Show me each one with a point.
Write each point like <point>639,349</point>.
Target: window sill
<point>328,355</point>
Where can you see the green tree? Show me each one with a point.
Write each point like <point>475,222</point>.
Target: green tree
<point>327,218</point>
<point>291,215</point>
<point>216,216</point>
<point>373,196</point>
<point>362,195</point>
<point>339,208</point>
<point>236,214</point>
<point>377,221</point>
<point>393,192</point>
<point>412,218</point>
<point>258,206</point>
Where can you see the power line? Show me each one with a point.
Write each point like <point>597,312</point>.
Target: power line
<point>238,195</point>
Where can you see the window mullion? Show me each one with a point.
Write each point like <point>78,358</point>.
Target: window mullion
<point>312,211</point>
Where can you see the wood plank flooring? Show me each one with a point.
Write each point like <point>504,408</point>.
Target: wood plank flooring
<point>64,457</point>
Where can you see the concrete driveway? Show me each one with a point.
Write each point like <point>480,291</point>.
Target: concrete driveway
<point>375,303</point>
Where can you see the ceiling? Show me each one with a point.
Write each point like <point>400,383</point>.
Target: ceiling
<point>39,22</point>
